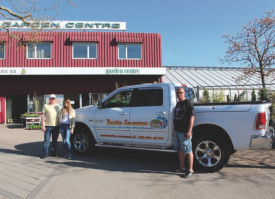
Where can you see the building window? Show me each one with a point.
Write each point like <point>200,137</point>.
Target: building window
<point>129,51</point>
<point>39,51</point>
<point>36,103</point>
<point>2,51</point>
<point>84,51</point>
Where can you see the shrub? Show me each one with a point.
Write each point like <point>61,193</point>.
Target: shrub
<point>205,96</point>
<point>263,94</point>
<point>235,98</point>
<point>253,95</point>
<point>228,98</point>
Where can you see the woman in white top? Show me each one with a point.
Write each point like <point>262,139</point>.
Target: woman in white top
<point>67,123</point>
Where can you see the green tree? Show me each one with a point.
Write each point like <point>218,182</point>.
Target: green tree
<point>218,97</point>
<point>205,96</point>
<point>235,98</point>
<point>263,94</point>
<point>215,98</point>
<point>272,100</point>
<point>242,97</point>
<point>253,95</point>
<point>254,47</point>
<point>228,98</point>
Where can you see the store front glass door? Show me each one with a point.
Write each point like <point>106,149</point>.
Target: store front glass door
<point>59,99</point>
<point>74,100</point>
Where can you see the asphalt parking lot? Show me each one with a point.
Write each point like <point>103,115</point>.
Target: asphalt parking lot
<point>117,173</point>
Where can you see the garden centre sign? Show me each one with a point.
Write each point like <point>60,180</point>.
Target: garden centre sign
<point>77,25</point>
<point>122,71</point>
<point>81,71</point>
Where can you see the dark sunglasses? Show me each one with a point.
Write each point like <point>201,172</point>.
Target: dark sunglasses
<point>179,93</point>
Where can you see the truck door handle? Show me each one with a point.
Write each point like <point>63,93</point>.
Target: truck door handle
<point>122,113</point>
<point>160,113</point>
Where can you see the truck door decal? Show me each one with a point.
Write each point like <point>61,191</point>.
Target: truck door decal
<point>109,122</point>
<point>126,122</point>
<point>133,137</point>
<point>160,123</point>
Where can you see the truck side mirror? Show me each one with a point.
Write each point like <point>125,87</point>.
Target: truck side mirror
<point>99,104</point>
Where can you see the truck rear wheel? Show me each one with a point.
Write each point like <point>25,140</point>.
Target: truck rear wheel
<point>210,153</point>
<point>82,141</point>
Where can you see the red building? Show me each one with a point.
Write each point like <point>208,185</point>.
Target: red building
<point>82,66</point>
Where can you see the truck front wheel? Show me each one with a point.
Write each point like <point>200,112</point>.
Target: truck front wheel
<point>210,153</point>
<point>82,141</point>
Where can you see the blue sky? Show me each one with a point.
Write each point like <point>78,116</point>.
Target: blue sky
<point>191,30</point>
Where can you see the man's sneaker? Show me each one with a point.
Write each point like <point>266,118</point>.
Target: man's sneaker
<point>188,174</point>
<point>69,157</point>
<point>43,156</point>
<point>178,170</point>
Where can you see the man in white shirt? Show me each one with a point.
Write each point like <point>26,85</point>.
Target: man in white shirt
<point>50,125</point>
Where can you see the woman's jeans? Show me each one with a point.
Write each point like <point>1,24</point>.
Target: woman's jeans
<point>66,134</point>
<point>54,130</point>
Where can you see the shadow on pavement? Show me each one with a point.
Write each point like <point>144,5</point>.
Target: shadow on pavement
<point>14,126</point>
<point>109,159</point>
<point>125,160</point>
<point>250,166</point>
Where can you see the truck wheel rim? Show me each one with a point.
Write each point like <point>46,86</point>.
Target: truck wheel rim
<point>208,153</point>
<point>80,142</point>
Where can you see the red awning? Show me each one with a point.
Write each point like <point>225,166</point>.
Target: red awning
<point>85,38</point>
<point>129,39</point>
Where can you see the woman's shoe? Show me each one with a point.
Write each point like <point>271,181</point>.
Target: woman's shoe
<point>178,170</point>
<point>69,156</point>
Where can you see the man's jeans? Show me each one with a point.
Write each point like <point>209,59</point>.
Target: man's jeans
<point>54,130</point>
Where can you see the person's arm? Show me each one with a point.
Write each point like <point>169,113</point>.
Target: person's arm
<point>59,116</point>
<point>43,119</point>
<point>191,123</point>
<point>174,120</point>
<point>73,122</point>
<point>191,112</point>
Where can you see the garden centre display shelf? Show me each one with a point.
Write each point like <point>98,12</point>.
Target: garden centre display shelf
<point>28,120</point>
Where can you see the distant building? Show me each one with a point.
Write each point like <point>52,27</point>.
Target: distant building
<point>216,80</point>
<point>82,66</point>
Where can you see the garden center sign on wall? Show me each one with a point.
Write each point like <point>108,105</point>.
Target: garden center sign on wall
<point>81,71</point>
<point>79,25</point>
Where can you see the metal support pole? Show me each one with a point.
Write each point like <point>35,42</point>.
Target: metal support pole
<point>80,100</point>
<point>213,95</point>
<point>90,98</point>
<point>198,94</point>
<point>28,103</point>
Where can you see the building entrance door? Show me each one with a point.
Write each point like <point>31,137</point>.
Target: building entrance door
<point>74,100</point>
<point>15,106</point>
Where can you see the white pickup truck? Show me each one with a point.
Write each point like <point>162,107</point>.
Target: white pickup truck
<point>141,117</point>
